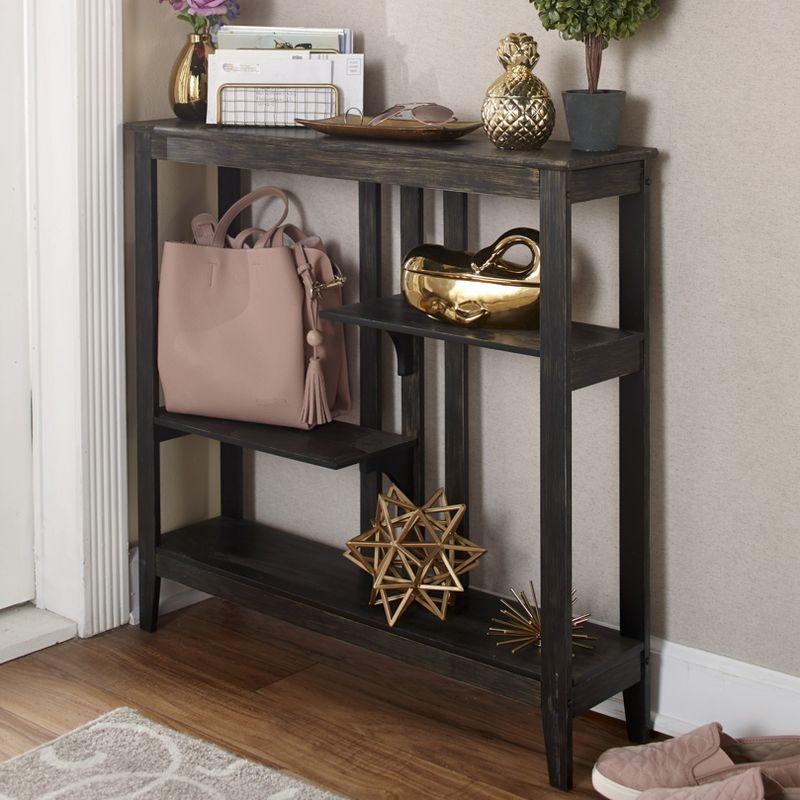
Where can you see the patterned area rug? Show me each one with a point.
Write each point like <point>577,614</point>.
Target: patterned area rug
<point>124,756</point>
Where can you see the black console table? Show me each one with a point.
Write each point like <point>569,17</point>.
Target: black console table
<point>311,584</point>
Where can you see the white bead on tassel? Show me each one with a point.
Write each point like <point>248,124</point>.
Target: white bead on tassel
<point>315,338</point>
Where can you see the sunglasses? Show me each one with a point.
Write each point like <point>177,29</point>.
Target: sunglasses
<point>424,113</point>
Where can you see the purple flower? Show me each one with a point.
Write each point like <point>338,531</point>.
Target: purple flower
<point>207,8</point>
<point>206,16</point>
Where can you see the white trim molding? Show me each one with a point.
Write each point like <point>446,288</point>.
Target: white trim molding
<point>74,134</point>
<point>692,687</point>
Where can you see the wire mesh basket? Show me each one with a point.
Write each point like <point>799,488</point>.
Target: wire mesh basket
<point>275,105</point>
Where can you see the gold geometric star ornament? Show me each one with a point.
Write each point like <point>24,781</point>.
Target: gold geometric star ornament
<point>414,554</point>
<point>521,623</point>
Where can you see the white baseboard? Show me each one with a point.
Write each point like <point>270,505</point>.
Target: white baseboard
<point>173,595</point>
<point>692,687</point>
<point>26,629</point>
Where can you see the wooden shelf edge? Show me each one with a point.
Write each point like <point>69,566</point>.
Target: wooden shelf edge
<point>606,362</point>
<point>609,679</point>
<point>601,353</point>
<point>333,446</point>
<point>474,150</point>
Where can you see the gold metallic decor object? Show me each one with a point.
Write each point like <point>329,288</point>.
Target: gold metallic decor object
<point>480,290</point>
<point>188,85</point>
<point>521,625</point>
<point>414,554</point>
<point>518,113</point>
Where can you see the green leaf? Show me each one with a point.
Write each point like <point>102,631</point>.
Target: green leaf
<point>611,19</point>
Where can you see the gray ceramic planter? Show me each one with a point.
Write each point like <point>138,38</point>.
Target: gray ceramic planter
<point>594,119</point>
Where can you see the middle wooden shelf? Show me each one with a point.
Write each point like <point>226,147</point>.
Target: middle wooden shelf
<point>599,353</point>
<point>332,446</point>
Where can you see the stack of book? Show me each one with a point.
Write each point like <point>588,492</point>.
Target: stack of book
<point>272,76</point>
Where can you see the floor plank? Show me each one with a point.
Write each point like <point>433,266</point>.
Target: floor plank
<point>18,735</point>
<point>225,654</point>
<point>417,735</point>
<point>48,697</point>
<point>357,722</point>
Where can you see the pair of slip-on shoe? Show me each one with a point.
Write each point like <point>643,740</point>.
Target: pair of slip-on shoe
<point>705,764</point>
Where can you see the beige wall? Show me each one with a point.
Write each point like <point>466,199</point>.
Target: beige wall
<point>714,86</point>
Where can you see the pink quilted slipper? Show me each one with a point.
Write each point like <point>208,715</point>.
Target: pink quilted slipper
<point>702,756</point>
<point>747,785</point>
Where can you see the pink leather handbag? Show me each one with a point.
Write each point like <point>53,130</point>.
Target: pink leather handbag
<point>239,332</point>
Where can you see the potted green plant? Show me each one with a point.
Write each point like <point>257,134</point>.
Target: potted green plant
<point>594,116</point>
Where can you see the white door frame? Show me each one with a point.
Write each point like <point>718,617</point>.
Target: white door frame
<point>16,472</point>
<point>73,76</point>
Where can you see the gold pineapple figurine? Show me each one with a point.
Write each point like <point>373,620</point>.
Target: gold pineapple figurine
<point>518,113</point>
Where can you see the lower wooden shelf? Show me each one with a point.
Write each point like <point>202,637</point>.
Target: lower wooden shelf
<point>312,585</point>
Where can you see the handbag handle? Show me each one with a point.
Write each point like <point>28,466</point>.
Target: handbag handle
<point>240,205</point>
<point>239,242</point>
<point>295,235</point>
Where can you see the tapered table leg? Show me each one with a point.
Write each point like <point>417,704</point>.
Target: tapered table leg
<point>147,388</point>
<point>556,476</point>
<point>634,445</point>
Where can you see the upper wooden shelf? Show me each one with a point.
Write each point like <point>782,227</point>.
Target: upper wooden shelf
<point>471,164</point>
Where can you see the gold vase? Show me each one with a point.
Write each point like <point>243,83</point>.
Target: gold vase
<point>188,85</point>
<point>518,113</point>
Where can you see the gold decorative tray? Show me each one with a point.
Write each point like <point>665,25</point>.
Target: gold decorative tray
<point>397,129</point>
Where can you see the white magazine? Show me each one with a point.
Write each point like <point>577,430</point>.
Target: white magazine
<point>255,37</point>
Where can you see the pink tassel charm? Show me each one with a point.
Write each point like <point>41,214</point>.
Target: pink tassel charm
<point>316,410</point>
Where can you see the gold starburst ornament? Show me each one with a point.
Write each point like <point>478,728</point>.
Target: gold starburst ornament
<point>414,554</point>
<point>521,623</point>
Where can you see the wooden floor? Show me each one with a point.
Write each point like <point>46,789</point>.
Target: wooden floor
<point>356,722</point>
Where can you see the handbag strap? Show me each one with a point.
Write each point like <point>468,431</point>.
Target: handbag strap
<point>260,238</point>
<point>203,227</point>
<point>240,205</point>
<point>295,235</point>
